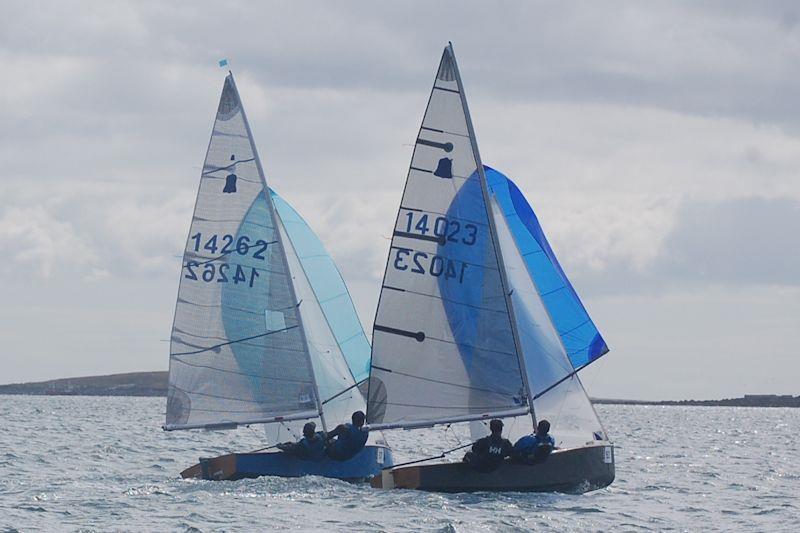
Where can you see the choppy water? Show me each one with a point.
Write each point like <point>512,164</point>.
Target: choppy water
<point>78,463</point>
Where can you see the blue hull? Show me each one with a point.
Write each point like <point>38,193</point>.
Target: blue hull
<point>368,463</point>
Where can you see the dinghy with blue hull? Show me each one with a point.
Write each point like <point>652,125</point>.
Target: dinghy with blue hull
<point>476,320</point>
<point>265,331</point>
<point>367,464</point>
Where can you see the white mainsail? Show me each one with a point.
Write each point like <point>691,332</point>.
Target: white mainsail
<point>250,343</point>
<point>444,348</point>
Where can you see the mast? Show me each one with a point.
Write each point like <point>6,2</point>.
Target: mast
<point>493,230</point>
<point>275,221</point>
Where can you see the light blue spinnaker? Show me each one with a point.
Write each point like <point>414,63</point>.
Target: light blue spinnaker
<point>582,341</point>
<point>329,288</point>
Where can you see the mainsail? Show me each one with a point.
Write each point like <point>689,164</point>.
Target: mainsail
<point>238,350</point>
<point>443,343</point>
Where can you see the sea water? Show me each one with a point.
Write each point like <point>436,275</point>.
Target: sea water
<point>103,463</point>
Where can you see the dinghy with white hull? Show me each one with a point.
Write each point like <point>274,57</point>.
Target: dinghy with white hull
<point>476,319</point>
<point>265,331</point>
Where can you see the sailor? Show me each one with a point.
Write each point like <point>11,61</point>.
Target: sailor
<point>536,447</point>
<point>311,447</point>
<point>488,453</point>
<point>350,438</point>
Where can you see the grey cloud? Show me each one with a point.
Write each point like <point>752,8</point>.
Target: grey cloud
<point>747,240</point>
<point>711,58</point>
<point>752,241</point>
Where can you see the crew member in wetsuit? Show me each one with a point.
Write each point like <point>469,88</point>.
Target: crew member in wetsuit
<point>350,438</point>
<point>488,453</point>
<point>311,447</point>
<point>536,447</point>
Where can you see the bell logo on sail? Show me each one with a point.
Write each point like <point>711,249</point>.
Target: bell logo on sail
<point>230,179</point>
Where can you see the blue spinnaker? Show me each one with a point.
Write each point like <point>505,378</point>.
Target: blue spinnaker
<point>582,341</point>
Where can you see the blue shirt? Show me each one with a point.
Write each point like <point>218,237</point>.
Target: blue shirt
<point>529,443</point>
<point>312,449</point>
<point>349,442</point>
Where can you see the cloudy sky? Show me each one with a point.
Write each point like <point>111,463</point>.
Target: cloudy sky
<point>659,144</point>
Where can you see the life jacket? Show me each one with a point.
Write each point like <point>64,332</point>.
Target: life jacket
<point>349,443</point>
<point>532,448</point>
<point>313,448</point>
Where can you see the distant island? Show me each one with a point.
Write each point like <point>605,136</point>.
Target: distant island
<point>155,384</point>
<point>130,384</point>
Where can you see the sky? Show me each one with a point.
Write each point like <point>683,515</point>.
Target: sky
<point>658,142</point>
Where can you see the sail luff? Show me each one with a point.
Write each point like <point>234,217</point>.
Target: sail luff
<point>275,221</point>
<point>493,230</point>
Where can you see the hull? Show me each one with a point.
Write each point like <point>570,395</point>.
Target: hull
<point>367,464</point>
<point>573,470</point>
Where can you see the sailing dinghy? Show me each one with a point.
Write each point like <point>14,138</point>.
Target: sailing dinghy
<point>477,320</point>
<point>264,331</point>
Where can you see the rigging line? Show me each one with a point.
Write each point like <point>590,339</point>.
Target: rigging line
<point>289,428</point>
<point>282,407</point>
<point>562,380</point>
<point>179,340</point>
<point>224,220</point>
<point>440,456</point>
<point>449,300</point>
<point>266,448</point>
<point>266,378</point>
<point>478,348</point>
<point>351,387</point>
<point>234,342</point>
<point>221,306</point>
<point>441,382</point>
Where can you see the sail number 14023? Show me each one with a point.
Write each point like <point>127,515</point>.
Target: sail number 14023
<point>425,263</point>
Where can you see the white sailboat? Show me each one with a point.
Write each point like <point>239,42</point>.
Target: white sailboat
<point>264,329</point>
<point>476,319</point>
